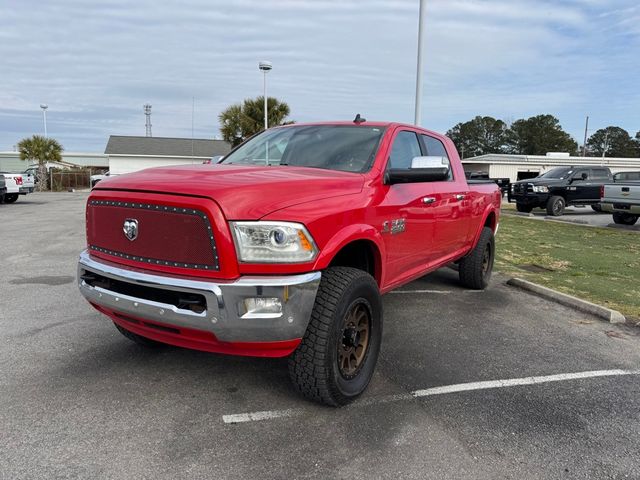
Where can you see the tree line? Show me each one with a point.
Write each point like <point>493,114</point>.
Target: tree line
<point>537,135</point>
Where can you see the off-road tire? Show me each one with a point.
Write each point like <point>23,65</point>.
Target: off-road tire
<point>621,218</point>
<point>555,206</point>
<point>10,197</point>
<point>313,366</point>
<point>475,269</point>
<point>142,341</point>
<point>521,207</point>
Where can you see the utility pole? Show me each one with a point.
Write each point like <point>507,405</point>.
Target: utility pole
<point>147,113</point>
<point>584,145</point>
<point>44,107</point>
<point>418,115</point>
<point>265,67</point>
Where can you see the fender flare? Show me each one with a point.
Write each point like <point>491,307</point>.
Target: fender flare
<point>351,234</point>
<point>488,211</point>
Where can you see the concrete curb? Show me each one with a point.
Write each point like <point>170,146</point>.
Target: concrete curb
<point>516,214</point>
<point>612,316</point>
<point>559,219</point>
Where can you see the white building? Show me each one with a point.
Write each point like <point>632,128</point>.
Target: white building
<point>129,154</point>
<point>10,161</point>
<point>520,167</point>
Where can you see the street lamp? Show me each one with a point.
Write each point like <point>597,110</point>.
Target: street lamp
<point>265,67</point>
<point>44,107</point>
<point>422,14</point>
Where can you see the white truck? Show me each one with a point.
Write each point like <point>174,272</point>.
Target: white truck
<point>623,200</point>
<point>16,184</point>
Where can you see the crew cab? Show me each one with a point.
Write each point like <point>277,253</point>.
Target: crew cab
<point>622,200</point>
<point>285,247</point>
<point>559,187</point>
<point>17,184</point>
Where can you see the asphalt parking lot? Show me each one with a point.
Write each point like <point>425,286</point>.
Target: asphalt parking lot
<point>581,215</point>
<point>81,401</point>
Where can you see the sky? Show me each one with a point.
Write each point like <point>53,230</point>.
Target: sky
<point>95,63</point>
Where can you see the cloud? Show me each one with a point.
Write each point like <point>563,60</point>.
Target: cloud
<point>97,63</point>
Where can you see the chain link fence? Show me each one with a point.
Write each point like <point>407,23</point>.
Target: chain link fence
<point>64,180</point>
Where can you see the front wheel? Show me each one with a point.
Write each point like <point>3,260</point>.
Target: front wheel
<point>337,356</point>
<point>521,207</point>
<point>555,206</point>
<point>10,197</point>
<point>624,218</point>
<point>475,269</point>
<point>596,207</point>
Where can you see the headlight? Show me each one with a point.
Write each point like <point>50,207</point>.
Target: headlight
<point>540,189</point>
<point>273,242</point>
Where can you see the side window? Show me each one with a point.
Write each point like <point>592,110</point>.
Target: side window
<point>577,177</point>
<point>435,147</point>
<point>599,174</point>
<point>404,148</point>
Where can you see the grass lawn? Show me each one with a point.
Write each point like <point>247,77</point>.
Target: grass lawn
<point>598,264</point>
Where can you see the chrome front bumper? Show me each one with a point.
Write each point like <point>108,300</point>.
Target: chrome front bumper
<point>224,314</point>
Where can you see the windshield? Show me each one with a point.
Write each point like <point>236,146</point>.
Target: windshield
<point>334,147</point>
<point>559,173</point>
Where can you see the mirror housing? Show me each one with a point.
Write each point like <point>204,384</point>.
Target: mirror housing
<point>423,169</point>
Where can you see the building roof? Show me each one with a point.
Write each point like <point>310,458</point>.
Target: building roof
<point>496,158</point>
<point>163,146</point>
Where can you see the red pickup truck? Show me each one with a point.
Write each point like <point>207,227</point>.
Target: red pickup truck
<point>285,247</point>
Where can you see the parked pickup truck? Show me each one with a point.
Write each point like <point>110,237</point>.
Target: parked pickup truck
<point>3,188</point>
<point>559,187</point>
<point>17,184</point>
<point>285,248</point>
<point>623,201</point>
<point>503,183</point>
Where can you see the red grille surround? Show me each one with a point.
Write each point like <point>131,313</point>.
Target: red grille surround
<point>167,235</point>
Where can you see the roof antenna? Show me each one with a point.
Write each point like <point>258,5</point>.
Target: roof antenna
<point>358,120</point>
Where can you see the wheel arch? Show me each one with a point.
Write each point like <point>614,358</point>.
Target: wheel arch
<point>359,246</point>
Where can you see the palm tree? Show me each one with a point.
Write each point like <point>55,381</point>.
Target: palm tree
<point>239,121</point>
<point>43,150</point>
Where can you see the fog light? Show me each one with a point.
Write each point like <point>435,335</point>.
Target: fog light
<point>262,307</point>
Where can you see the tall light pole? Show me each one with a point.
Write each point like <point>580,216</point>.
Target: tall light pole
<point>44,107</point>
<point>422,14</point>
<point>265,67</point>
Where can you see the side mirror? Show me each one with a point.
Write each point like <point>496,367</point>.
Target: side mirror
<point>584,176</point>
<point>423,169</point>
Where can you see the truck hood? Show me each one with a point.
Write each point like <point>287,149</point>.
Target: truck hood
<point>542,181</point>
<point>243,192</point>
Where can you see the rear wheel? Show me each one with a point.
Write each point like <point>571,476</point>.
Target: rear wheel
<point>140,340</point>
<point>555,206</point>
<point>475,269</point>
<point>624,218</point>
<point>10,197</point>
<point>337,356</point>
<point>521,207</point>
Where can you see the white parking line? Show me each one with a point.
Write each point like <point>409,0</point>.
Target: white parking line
<point>460,387</point>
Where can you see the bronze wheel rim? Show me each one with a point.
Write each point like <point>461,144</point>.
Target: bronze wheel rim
<point>486,259</point>
<point>354,341</point>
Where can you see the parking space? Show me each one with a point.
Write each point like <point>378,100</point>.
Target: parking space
<point>80,401</point>
<point>580,215</point>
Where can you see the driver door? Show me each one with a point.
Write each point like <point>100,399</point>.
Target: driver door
<point>406,226</point>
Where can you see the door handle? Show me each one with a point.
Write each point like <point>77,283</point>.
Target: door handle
<point>459,196</point>
<point>428,200</point>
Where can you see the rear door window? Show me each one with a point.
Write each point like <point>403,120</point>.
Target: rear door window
<point>435,148</point>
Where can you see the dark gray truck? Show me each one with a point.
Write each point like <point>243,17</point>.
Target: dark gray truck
<point>560,187</point>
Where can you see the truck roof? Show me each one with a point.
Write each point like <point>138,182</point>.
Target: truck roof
<point>361,124</point>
